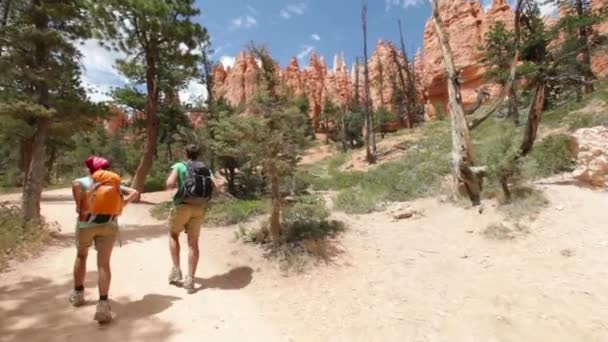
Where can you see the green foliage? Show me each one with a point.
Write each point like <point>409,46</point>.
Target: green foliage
<point>550,156</point>
<point>499,51</point>
<point>235,211</point>
<point>14,237</point>
<point>307,218</point>
<point>40,87</point>
<point>354,121</point>
<point>382,118</point>
<point>418,174</point>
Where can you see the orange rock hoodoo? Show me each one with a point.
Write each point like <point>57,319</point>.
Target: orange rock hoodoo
<point>466,24</point>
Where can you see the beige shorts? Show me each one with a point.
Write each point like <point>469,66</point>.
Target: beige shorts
<point>187,217</point>
<point>103,235</point>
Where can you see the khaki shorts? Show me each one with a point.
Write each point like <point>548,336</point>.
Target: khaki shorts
<point>188,217</point>
<point>103,235</point>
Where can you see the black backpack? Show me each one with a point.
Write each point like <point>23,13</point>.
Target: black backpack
<point>198,186</point>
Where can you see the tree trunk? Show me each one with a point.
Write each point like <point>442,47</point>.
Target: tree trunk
<point>504,183</point>
<point>343,129</point>
<point>534,117</point>
<point>275,217</point>
<point>407,120</point>
<point>411,88</point>
<point>26,157</point>
<point>462,159</point>
<point>370,142</point>
<point>145,164</point>
<point>586,53</point>
<point>50,163</point>
<point>513,111</point>
<point>34,184</point>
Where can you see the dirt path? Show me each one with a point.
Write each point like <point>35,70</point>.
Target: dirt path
<point>33,296</point>
<point>434,278</point>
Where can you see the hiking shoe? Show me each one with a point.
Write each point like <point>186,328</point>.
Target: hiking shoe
<point>77,298</point>
<point>189,284</point>
<point>175,276</point>
<point>103,314</point>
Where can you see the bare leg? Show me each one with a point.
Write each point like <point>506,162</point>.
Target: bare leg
<point>193,253</point>
<point>80,266</point>
<point>104,253</point>
<point>174,248</point>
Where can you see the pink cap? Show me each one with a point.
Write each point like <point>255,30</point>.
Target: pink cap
<point>95,164</point>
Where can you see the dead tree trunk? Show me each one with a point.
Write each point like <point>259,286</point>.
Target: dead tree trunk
<point>408,121</point>
<point>370,141</point>
<point>586,51</point>
<point>462,157</point>
<point>411,81</point>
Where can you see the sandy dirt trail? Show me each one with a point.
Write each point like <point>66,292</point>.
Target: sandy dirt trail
<point>33,296</point>
<point>434,278</point>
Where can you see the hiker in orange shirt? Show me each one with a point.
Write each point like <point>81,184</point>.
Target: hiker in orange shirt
<point>99,202</point>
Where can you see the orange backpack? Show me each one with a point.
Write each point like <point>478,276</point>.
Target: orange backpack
<point>104,196</point>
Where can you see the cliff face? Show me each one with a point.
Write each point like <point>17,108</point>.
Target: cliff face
<point>466,25</point>
<point>599,60</point>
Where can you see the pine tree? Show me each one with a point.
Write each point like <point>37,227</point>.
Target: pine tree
<point>499,49</point>
<point>40,80</point>
<point>159,37</point>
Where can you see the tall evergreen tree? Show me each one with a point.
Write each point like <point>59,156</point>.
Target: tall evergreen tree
<point>158,36</point>
<point>40,79</point>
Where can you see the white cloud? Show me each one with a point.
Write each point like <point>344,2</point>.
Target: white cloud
<point>402,3</point>
<point>253,10</point>
<point>315,36</point>
<point>306,51</point>
<point>245,22</point>
<point>285,14</point>
<point>293,9</point>
<point>99,74</point>
<point>547,9</point>
<point>227,61</point>
<point>193,93</point>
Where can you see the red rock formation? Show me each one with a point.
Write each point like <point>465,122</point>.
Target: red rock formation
<point>314,83</point>
<point>117,122</point>
<point>337,84</point>
<point>219,79</point>
<point>293,78</point>
<point>599,60</point>
<point>383,74</point>
<point>466,25</point>
<point>251,78</point>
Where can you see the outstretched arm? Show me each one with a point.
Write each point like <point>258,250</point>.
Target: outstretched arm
<point>131,195</point>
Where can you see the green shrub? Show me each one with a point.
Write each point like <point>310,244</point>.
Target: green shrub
<point>155,183</point>
<point>360,199</point>
<point>587,120</point>
<point>307,218</point>
<point>235,211</point>
<point>550,156</point>
<point>14,237</point>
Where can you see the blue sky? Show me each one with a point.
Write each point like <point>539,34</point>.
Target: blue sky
<point>297,27</point>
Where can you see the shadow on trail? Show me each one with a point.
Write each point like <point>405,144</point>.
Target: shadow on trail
<point>235,279</point>
<point>36,309</point>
